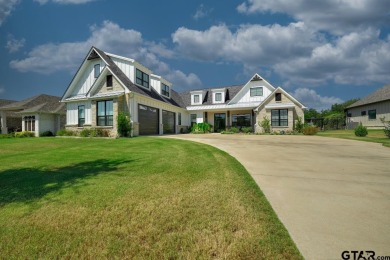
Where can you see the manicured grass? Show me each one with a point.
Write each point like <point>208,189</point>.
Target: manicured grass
<point>150,198</point>
<point>374,135</point>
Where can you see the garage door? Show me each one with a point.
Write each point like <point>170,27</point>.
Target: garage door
<point>168,122</point>
<point>148,120</point>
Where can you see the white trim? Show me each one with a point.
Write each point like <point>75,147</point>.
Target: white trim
<point>224,106</point>
<point>282,105</point>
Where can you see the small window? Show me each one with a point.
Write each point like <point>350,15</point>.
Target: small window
<point>349,114</point>
<point>96,70</point>
<point>164,90</point>
<point>179,118</point>
<point>105,113</point>
<point>141,78</point>
<point>196,99</point>
<point>363,113</point>
<point>218,97</point>
<point>278,96</point>
<point>81,113</point>
<point>109,81</point>
<point>372,114</point>
<point>257,92</point>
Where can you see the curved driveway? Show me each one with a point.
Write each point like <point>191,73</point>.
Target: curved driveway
<point>331,194</point>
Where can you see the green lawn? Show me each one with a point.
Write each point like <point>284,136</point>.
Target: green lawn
<point>138,198</point>
<point>374,135</point>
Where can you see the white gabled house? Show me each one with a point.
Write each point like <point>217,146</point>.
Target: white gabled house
<point>107,84</point>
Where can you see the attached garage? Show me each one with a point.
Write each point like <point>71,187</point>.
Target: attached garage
<point>148,120</point>
<point>168,119</point>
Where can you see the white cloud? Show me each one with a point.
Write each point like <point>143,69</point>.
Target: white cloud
<point>42,2</point>
<point>50,57</point>
<point>13,45</point>
<point>182,80</point>
<point>295,52</point>
<point>201,12</point>
<point>311,99</point>
<point>6,7</point>
<point>355,58</point>
<point>337,16</point>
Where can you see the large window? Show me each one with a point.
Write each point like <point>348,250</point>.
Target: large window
<point>29,123</point>
<point>279,117</point>
<point>81,110</point>
<point>164,90</point>
<point>141,78</point>
<point>257,92</point>
<point>372,114</point>
<point>105,113</point>
<point>241,120</point>
<point>196,99</point>
<point>96,69</point>
<point>218,97</point>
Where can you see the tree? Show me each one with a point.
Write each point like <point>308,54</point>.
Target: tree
<point>124,125</point>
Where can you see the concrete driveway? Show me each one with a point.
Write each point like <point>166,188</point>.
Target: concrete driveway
<point>331,194</point>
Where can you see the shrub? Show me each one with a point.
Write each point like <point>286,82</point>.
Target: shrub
<point>266,124</point>
<point>65,132</point>
<point>247,130</point>
<point>309,130</point>
<point>299,125</point>
<point>46,133</point>
<point>24,134</point>
<point>124,125</point>
<point>6,136</point>
<point>86,132</point>
<point>361,130</point>
<point>201,128</point>
<point>386,124</point>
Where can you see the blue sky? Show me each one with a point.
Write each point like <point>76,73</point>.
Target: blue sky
<point>323,52</point>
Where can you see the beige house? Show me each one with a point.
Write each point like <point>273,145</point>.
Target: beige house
<point>369,110</point>
<point>37,114</point>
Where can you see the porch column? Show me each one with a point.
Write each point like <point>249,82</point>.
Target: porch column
<point>37,125</point>
<point>228,119</point>
<point>160,121</point>
<point>4,128</point>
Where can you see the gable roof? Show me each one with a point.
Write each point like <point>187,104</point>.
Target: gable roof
<point>38,104</point>
<point>382,94</point>
<point>4,102</point>
<point>230,93</point>
<point>279,90</point>
<point>126,82</point>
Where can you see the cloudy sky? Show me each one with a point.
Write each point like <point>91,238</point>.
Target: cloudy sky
<point>321,51</point>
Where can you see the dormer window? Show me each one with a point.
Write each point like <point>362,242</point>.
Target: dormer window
<point>218,97</point>
<point>96,69</point>
<point>257,92</point>
<point>278,97</point>
<point>164,90</point>
<point>141,78</point>
<point>196,99</point>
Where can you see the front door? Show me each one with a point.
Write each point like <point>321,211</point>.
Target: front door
<point>219,122</point>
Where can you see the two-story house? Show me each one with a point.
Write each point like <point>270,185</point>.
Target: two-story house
<point>107,84</point>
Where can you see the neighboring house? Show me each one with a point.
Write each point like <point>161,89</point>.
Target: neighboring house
<point>37,114</point>
<point>369,110</point>
<point>9,121</point>
<point>107,84</point>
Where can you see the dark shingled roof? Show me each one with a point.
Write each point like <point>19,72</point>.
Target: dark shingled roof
<point>37,104</point>
<point>174,100</point>
<point>382,94</point>
<point>231,92</point>
<point>4,102</point>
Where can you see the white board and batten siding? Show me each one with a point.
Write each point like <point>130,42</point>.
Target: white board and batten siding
<point>245,97</point>
<point>87,78</point>
<point>126,67</point>
<point>72,112</point>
